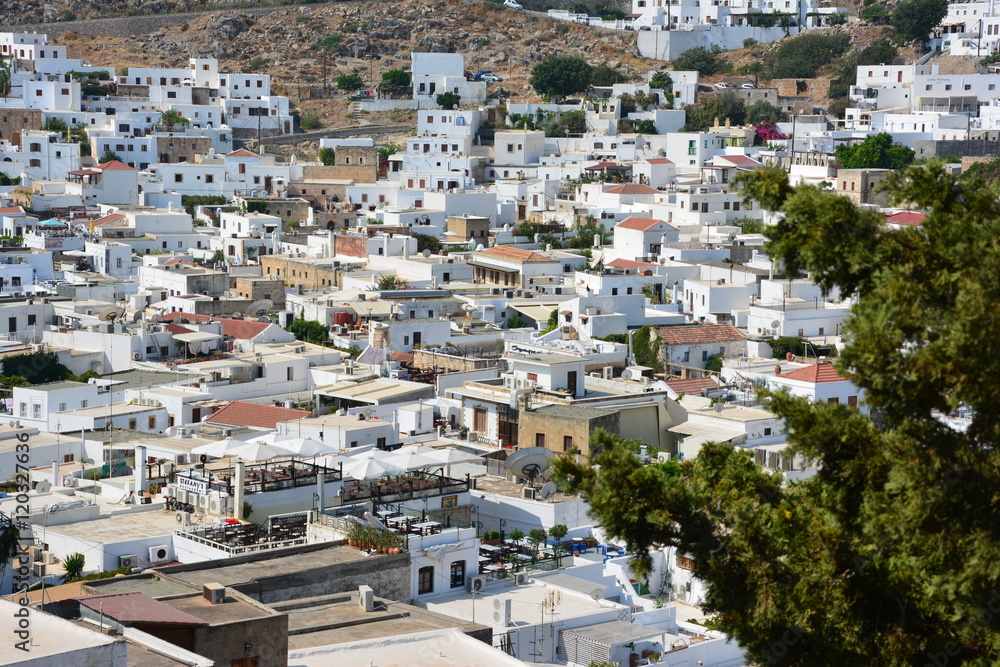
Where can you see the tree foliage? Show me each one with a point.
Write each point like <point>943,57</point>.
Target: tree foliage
<point>913,20</point>
<point>327,156</point>
<point>699,59</point>
<point>602,75</point>
<point>644,348</point>
<point>448,100</point>
<point>349,82</point>
<point>564,124</point>
<point>803,55</point>
<point>397,78</point>
<point>663,81</point>
<point>720,107</point>
<point>874,53</point>
<point>560,77</point>
<point>763,111</point>
<point>875,152</point>
<point>887,554</point>
<point>109,156</point>
<point>310,331</point>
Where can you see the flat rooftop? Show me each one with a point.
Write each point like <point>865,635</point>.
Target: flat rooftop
<point>119,527</point>
<point>340,619</point>
<point>147,584</point>
<point>230,611</point>
<point>51,636</point>
<point>266,567</point>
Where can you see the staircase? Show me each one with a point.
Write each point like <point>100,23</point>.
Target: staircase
<point>355,110</point>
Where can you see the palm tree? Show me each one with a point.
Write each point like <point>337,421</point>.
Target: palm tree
<point>389,281</point>
<point>172,117</point>
<point>73,567</point>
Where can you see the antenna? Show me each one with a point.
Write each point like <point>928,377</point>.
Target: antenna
<point>260,308</point>
<point>529,463</point>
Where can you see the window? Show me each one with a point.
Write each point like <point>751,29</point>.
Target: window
<point>852,401</point>
<point>243,168</point>
<point>458,573</point>
<point>687,356</point>
<point>567,443</point>
<point>380,443</point>
<point>24,409</point>
<point>83,404</point>
<point>533,377</point>
<point>35,148</point>
<point>947,86</point>
<point>614,291</point>
<point>68,458</point>
<point>131,424</point>
<point>425,580</point>
<point>510,148</point>
<point>767,431</point>
<point>178,178</point>
<point>539,440</point>
<point>704,355</point>
<point>151,423</point>
<point>31,318</point>
<point>62,407</point>
<point>967,86</point>
<point>209,178</point>
<point>833,401</point>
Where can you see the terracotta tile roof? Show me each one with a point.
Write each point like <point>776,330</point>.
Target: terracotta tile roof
<point>692,385</point>
<point>114,165</point>
<point>641,224</point>
<point>5,210</point>
<point>658,160</point>
<point>178,329</point>
<point>519,255</point>
<point>108,218</point>
<point>134,607</point>
<point>238,329</point>
<point>908,218</point>
<point>824,371</point>
<point>632,189</point>
<point>741,160</point>
<point>241,152</point>
<point>404,358</point>
<point>242,413</point>
<point>630,264</point>
<point>600,165</point>
<point>176,260</point>
<point>695,334</point>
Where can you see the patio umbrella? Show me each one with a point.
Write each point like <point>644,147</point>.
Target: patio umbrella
<point>305,447</point>
<point>411,459</point>
<point>256,451</point>
<point>219,448</point>
<point>370,465</point>
<point>448,456</point>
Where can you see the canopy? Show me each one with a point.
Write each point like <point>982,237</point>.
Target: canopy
<point>217,449</point>
<point>371,465</point>
<point>52,222</point>
<point>305,447</point>
<point>410,458</point>
<point>257,451</point>
<point>448,456</point>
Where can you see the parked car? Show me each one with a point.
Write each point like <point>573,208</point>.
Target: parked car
<point>490,77</point>
<point>513,4</point>
<point>749,86</point>
<point>722,85</point>
<point>645,28</point>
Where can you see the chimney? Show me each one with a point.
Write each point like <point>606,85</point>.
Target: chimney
<point>140,468</point>
<point>241,470</point>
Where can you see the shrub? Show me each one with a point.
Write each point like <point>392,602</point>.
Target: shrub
<point>764,111</point>
<point>349,82</point>
<point>749,43</point>
<point>309,119</point>
<point>327,156</point>
<point>801,57</point>
<point>397,78</point>
<point>727,105</point>
<point>875,152</point>
<point>448,100</point>
<point>602,75</point>
<point>560,77</point>
<point>702,60</point>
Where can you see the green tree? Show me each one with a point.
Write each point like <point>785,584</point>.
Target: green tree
<point>875,152</point>
<point>427,242</point>
<point>257,63</point>
<point>73,566</point>
<point>310,331</point>
<point>913,20</point>
<point>846,67</point>
<point>515,322</point>
<point>646,127</point>
<point>561,76</point>
<point>643,347</point>
<point>714,363</point>
<point>109,155</point>
<point>762,110</point>
<point>663,81</point>
<point>720,107</point>
<point>349,82</point>
<point>390,281</point>
<point>396,78</point>
<point>448,100</point>
<point>327,156</point>
<point>55,125</point>
<point>889,538</point>
<point>565,124</point>
<point>699,59</point>
<point>803,55</point>
<point>552,322</point>
<point>173,118</point>
<point>602,75</point>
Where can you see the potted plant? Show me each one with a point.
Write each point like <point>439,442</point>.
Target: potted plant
<point>590,541</point>
<point>491,537</point>
<point>537,536</point>
<point>516,535</point>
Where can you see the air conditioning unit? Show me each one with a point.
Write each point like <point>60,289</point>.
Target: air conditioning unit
<point>476,584</point>
<point>136,356</point>
<point>38,569</point>
<point>36,552</point>
<point>501,611</point>
<point>662,457</point>
<point>160,554</point>
<point>509,382</point>
<point>202,501</point>
<point>181,496</point>
<point>528,493</point>
<point>128,561</point>
<point>219,506</point>
<point>521,578</point>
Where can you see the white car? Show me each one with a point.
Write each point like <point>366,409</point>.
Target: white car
<point>749,86</point>
<point>513,4</point>
<point>722,85</point>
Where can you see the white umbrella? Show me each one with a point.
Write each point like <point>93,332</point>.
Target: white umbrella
<point>305,447</point>
<point>448,456</point>
<point>371,465</point>
<point>257,451</point>
<point>411,459</point>
<point>219,448</point>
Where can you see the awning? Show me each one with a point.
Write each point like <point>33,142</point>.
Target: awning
<point>196,337</point>
<point>78,253</point>
<point>51,223</point>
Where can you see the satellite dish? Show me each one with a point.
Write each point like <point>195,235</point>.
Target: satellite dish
<point>155,318</point>
<point>137,316</point>
<point>597,594</point>
<point>264,318</point>
<point>237,315</point>
<point>426,253</point>
<point>108,314</point>
<point>775,324</point>
<point>529,463</point>
<point>258,308</point>
<point>548,490</point>
<point>43,486</point>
